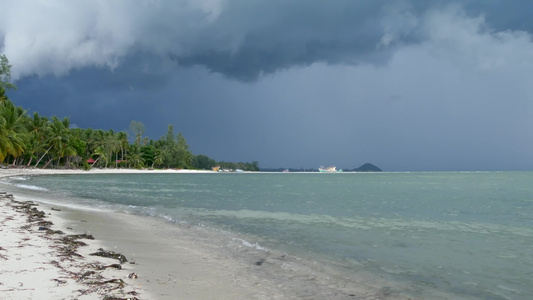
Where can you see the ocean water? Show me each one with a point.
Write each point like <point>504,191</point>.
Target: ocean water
<point>464,235</point>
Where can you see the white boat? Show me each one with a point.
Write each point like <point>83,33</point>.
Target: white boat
<point>331,169</point>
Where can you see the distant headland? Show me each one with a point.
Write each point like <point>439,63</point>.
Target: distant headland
<point>368,167</point>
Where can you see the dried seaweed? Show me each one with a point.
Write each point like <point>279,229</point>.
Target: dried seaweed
<point>67,246</point>
<point>110,254</point>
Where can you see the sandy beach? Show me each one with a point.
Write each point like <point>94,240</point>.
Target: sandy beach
<point>164,261</point>
<point>34,266</point>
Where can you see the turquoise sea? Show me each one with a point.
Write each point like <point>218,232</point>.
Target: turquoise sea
<point>449,235</point>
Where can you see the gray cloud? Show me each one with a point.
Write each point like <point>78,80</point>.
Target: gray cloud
<point>413,85</point>
<point>240,39</point>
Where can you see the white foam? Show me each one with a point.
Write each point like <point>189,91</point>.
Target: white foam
<point>248,244</point>
<point>31,187</point>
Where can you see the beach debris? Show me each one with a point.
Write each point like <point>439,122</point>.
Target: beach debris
<point>73,238</point>
<point>71,244</point>
<point>114,266</point>
<point>34,215</point>
<point>110,254</point>
<point>71,263</point>
<point>55,209</point>
<point>6,195</point>
<point>260,262</point>
<point>86,274</point>
<point>117,281</point>
<point>100,267</point>
<point>1,255</point>
<point>118,298</point>
<point>59,281</point>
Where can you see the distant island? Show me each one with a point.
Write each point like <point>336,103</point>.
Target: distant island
<point>368,167</point>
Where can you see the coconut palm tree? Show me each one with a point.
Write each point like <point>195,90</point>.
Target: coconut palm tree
<point>13,131</point>
<point>38,128</point>
<point>123,141</point>
<point>134,157</point>
<point>158,158</point>
<point>59,140</point>
<point>101,153</point>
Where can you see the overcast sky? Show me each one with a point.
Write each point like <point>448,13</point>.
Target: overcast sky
<point>405,85</point>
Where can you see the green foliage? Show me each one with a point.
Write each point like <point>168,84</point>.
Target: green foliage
<point>50,142</point>
<point>245,166</point>
<point>86,166</point>
<point>203,162</point>
<point>174,150</point>
<point>5,76</point>
<point>13,132</point>
<point>134,157</point>
<point>148,154</point>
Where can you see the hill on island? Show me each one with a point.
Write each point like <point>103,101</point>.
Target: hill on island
<point>368,167</point>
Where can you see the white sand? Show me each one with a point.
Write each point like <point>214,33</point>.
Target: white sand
<point>34,267</point>
<point>32,171</point>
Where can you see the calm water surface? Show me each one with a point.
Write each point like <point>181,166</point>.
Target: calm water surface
<point>467,235</point>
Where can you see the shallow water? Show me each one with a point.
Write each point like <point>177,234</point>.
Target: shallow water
<point>455,235</point>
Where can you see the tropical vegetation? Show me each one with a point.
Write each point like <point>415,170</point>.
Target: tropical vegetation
<point>51,142</point>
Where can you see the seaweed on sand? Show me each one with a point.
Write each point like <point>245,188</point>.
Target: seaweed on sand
<point>110,254</point>
<point>71,243</point>
<point>89,274</point>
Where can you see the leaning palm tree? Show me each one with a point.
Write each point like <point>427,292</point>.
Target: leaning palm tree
<point>101,153</point>
<point>38,128</point>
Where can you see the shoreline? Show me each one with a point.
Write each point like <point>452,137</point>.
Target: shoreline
<point>10,172</point>
<point>43,258</point>
<point>180,262</point>
<point>206,277</point>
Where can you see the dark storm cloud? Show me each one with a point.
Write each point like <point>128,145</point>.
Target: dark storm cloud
<point>240,39</point>
<point>407,85</point>
<point>283,34</point>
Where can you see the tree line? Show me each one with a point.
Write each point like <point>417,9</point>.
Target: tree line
<point>51,142</point>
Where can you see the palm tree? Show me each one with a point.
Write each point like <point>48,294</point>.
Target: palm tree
<point>59,140</point>
<point>38,128</point>
<point>112,145</point>
<point>12,130</point>
<point>158,158</point>
<point>123,141</point>
<point>134,157</point>
<point>101,153</point>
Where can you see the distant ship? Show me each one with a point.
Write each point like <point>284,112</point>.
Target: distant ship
<point>331,169</point>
